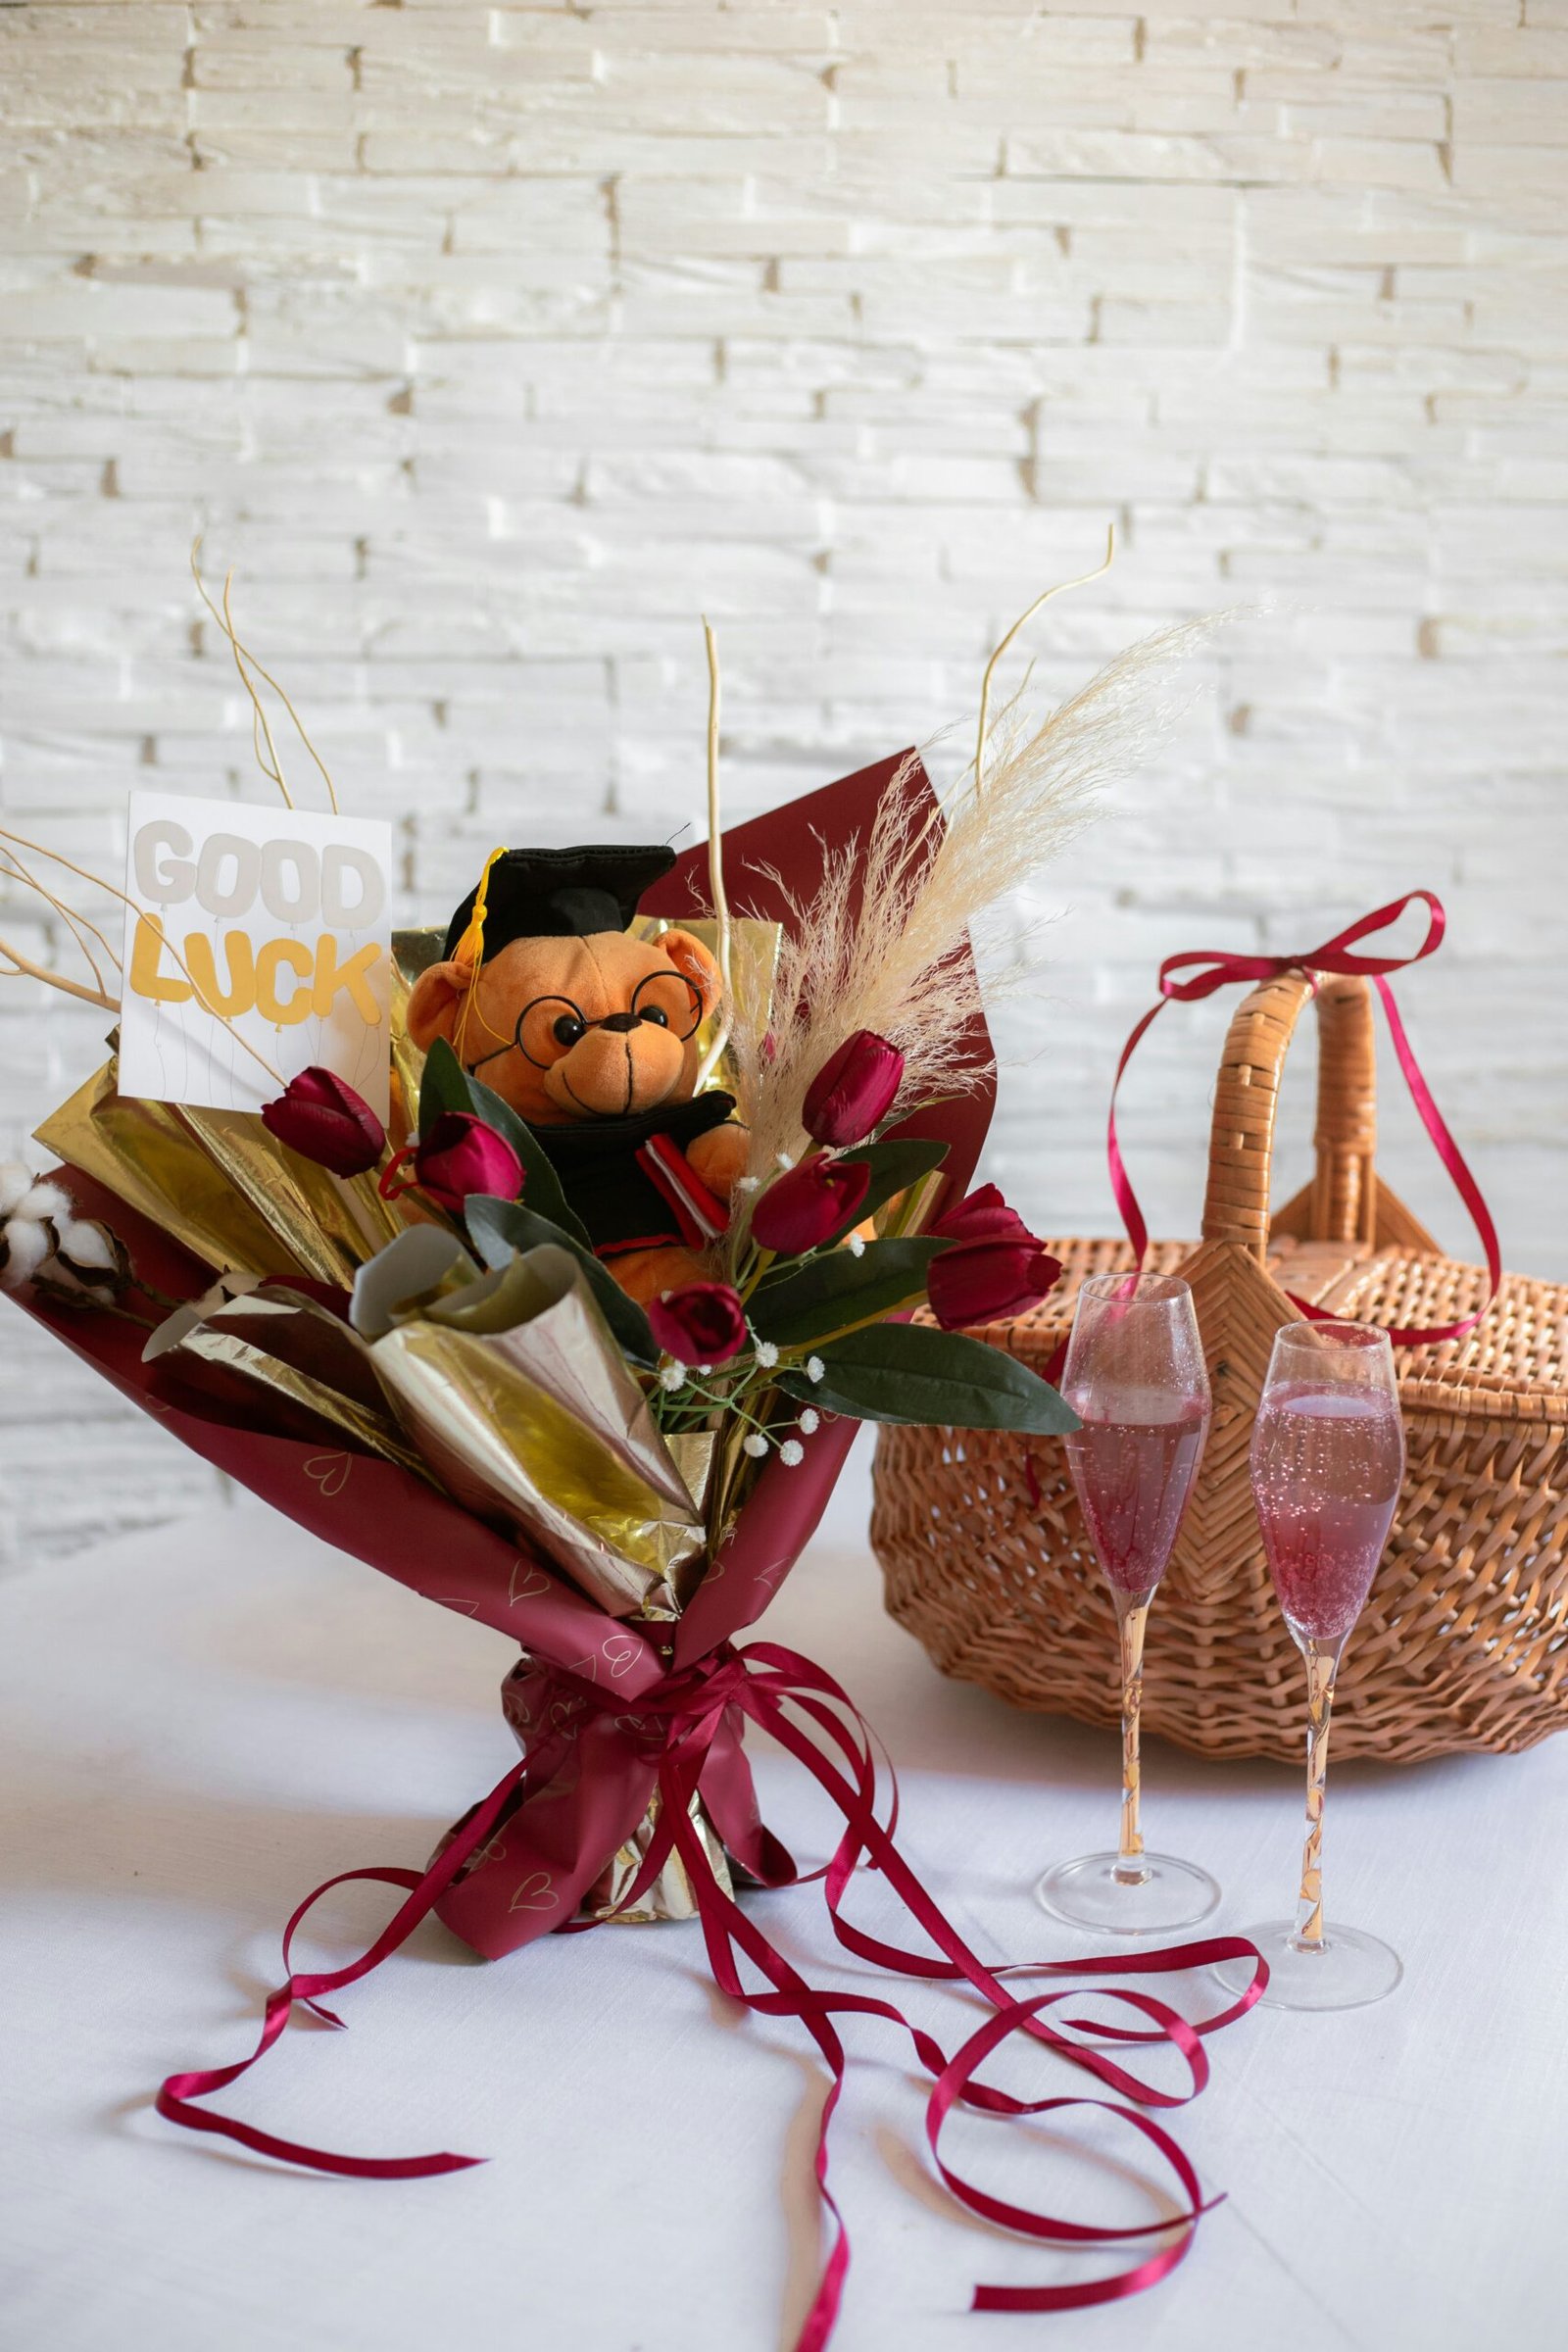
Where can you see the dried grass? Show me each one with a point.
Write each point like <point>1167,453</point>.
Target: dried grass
<point>880,944</point>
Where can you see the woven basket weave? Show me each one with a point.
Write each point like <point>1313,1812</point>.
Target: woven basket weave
<point>1464,1639</point>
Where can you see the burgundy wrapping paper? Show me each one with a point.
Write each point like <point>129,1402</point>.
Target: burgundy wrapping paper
<point>529,1876</point>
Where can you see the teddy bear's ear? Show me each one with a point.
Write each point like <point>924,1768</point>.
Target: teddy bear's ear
<point>689,957</point>
<point>435,1001</point>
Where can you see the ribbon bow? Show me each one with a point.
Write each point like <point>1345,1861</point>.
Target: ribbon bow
<point>1201,971</point>
<point>805,1710</point>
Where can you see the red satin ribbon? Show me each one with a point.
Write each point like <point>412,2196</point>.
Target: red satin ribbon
<point>774,1685</point>
<point>1203,971</point>
<point>175,2096</point>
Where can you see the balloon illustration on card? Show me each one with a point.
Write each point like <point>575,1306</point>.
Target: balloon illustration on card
<point>258,943</point>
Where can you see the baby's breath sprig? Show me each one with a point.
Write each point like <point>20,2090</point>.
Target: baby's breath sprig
<point>688,1395</point>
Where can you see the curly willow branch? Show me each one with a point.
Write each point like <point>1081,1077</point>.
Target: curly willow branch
<point>272,766</point>
<point>716,870</point>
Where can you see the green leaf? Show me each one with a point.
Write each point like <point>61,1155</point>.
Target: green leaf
<point>935,1379</point>
<point>837,1288</point>
<point>895,1165</point>
<point>541,1184</point>
<point>444,1086</point>
<point>498,1228</point>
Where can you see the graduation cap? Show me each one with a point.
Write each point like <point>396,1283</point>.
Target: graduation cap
<point>555,893</point>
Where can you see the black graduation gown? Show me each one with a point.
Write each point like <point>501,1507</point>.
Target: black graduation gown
<point>596,1160</point>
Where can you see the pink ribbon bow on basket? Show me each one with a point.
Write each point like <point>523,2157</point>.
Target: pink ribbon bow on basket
<point>1201,971</point>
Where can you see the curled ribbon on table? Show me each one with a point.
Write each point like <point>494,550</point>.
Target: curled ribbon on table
<point>680,1724</point>
<point>1201,971</point>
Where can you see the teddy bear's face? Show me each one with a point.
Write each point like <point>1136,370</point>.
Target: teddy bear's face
<point>600,1026</point>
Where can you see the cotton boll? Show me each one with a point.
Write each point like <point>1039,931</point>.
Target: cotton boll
<point>89,1261</point>
<point>14,1181</point>
<point>24,1249</point>
<point>43,1199</point>
<point>87,1248</point>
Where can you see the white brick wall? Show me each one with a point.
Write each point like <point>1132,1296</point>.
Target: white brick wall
<point>493,344</point>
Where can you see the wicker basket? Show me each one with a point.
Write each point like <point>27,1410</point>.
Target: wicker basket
<point>1464,1640</point>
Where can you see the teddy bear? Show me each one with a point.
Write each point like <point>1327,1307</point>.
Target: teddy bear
<point>590,1034</point>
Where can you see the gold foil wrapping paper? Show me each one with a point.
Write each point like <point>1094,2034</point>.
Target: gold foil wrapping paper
<point>504,1449</point>
<point>216,1182</point>
<point>754,949</point>
<point>507,1390</point>
<point>285,1381</point>
<point>329,1224</point>
<point>515,1392</point>
<point>542,1316</point>
<point>670,1895</point>
<point>144,1152</point>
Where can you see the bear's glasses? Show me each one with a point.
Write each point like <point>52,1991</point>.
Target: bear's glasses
<point>547,1027</point>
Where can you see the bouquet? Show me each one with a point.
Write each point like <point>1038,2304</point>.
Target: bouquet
<point>576,1339</point>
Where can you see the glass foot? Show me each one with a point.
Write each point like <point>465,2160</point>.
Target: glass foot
<point>1346,1970</point>
<point>1120,1898</point>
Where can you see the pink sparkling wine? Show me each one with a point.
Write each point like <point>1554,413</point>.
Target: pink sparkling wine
<point>1133,1463</point>
<point>1326,1465</point>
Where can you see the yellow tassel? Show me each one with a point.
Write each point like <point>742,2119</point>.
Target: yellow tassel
<point>471,946</point>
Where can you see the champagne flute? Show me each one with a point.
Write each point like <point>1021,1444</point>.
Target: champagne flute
<point>1136,1378</point>
<point>1328,1462</point>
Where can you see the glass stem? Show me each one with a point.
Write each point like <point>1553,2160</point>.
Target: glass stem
<point>1132,1616</point>
<point>1322,1662</point>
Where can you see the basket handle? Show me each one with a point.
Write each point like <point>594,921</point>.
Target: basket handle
<point>1342,1196</point>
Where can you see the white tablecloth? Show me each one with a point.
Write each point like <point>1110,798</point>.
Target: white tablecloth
<point>201,1723</point>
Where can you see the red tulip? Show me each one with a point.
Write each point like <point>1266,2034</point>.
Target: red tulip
<point>853,1092</point>
<point>459,1155</point>
<point>324,1120</point>
<point>701,1323</point>
<point>989,1281</point>
<point>803,1205</point>
<point>983,1217</point>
